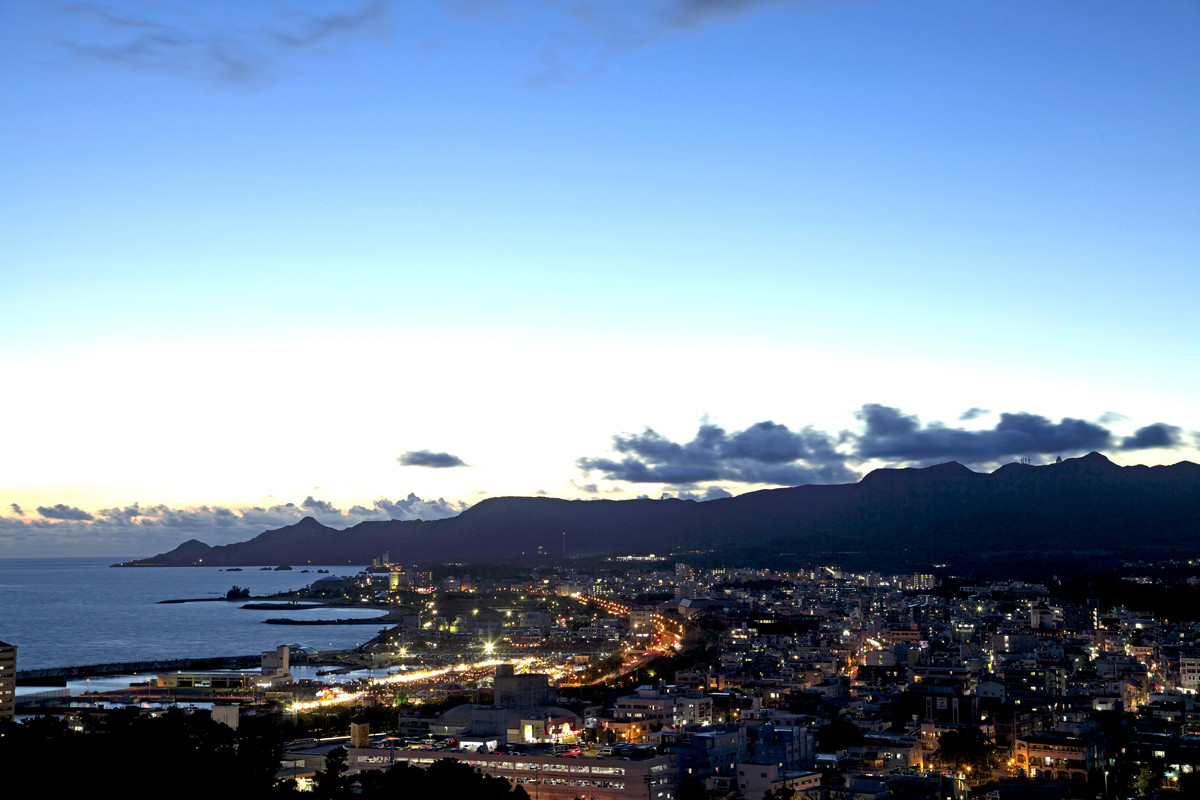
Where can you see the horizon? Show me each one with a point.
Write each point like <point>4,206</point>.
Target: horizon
<point>334,518</point>
<point>373,260</point>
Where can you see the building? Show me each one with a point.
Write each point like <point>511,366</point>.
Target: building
<point>275,666</point>
<point>1189,672</point>
<point>1055,756</point>
<point>642,623</point>
<point>211,681</point>
<point>651,707</point>
<point>8,680</point>
<point>516,691</point>
<point>522,712</point>
<point>545,776</point>
<point>755,780</point>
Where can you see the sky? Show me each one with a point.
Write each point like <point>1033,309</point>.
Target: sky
<point>365,259</point>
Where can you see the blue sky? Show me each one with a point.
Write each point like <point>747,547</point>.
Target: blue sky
<point>252,258</point>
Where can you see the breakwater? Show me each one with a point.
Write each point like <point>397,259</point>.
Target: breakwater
<point>32,676</point>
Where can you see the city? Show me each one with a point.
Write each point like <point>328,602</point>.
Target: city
<point>594,400</point>
<point>646,675</point>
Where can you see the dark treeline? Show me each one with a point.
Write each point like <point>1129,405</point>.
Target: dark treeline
<point>186,754</point>
<point>178,753</point>
<point>1169,601</point>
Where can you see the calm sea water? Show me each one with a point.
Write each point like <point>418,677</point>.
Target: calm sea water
<point>75,611</point>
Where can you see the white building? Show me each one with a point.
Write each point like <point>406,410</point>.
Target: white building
<point>653,707</point>
<point>8,680</point>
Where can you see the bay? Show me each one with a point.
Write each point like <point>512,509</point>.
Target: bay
<point>63,612</point>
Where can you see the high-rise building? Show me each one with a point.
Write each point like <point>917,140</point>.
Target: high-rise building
<point>8,680</point>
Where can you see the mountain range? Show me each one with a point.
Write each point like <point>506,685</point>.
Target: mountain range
<point>1068,515</point>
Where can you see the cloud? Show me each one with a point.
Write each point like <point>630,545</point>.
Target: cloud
<point>307,31</point>
<point>773,454</point>
<point>428,458</point>
<point>17,509</point>
<point>891,434</point>
<point>709,493</point>
<point>317,506</point>
<point>413,507</point>
<point>60,511</point>
<point>590,34</point>
<point>692,13</point>
<point>975,412</point>
<point>763,453</point>
<point>174,40</point>
<point>207,41</point>
<point>139,529</point>
<point>1109,417</point>
<point>1159,434</point>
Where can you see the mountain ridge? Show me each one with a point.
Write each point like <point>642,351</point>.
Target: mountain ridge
<point>945,512</point>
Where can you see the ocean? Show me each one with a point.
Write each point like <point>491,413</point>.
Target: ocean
<point>63,612</point>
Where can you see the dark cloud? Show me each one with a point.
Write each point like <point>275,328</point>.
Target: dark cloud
<point>709,493</point>
<point>890,434</point>
<point>413,507</point>
<point>975,412</point>
<point>314,506</point>
<point>428,458</point>
<point>127,514</point>
<point>147,529</point>
<point>591,34</point>
<point>169,41</point>
<point>311,30</point>
<point>60,511</point>
<point>770,453</point>
<point>766,452</point>
<point>692,13</point>
<point>581,39</point>
<point>17,509</point>
<point>1159,434</point>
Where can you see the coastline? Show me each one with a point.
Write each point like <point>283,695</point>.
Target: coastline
<point>75,616</point>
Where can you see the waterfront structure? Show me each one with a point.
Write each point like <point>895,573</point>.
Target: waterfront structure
<point>274,672</point>
<point>276,665</point>
<point>8,680</point>
<point>212,681</point>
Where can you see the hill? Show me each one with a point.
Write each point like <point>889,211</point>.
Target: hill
<point>1065,514</point>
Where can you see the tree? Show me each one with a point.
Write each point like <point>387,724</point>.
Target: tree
<point>331,783</point>
<point>1148,781</point>
<point>139,754</point>
<point>966,750</point>
<point>691,789</point>
<point>838,734</point>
